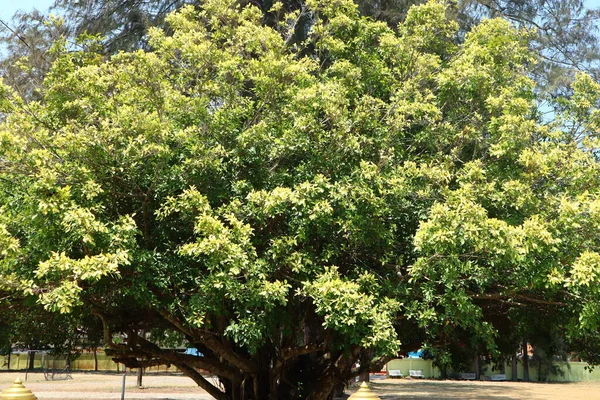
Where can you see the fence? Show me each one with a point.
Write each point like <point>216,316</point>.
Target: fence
<point>574,371</point>
<point>85,362</point>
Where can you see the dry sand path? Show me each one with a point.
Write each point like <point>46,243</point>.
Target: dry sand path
<point>103,386</point>
<point>412,389</point>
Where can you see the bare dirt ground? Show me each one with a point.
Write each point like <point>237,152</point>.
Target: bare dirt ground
<point>413,389</point>
<point>100,386</point>
<point>96,386</point>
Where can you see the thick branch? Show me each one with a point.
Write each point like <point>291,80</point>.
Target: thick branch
<point>293,352</point>
<point>375,365</point>
<point>201,381</point>
<point>208,363</point>
<point>217,346</point>
<point>142,348</point>
<point>106,332</point>
<point>512,295</point>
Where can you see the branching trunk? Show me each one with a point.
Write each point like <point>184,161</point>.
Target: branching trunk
<point>281,369</point>
<point>342,367</point>
<point>216,345</point>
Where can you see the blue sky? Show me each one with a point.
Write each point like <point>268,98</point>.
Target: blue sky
<point>9,7</point>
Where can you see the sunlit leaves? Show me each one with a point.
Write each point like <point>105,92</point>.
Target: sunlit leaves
<point>348,308</point>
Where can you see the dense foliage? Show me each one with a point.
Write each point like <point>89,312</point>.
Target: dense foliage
<point>290,207</point>
<point>566,33</point>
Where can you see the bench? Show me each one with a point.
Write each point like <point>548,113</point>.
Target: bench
<point>468,376</point>
<point>498,377</point>
<point>416,373</point>
<point>395,373</point>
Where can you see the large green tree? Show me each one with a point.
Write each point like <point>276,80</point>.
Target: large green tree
<point>566,36</point>
<point>290,207</point>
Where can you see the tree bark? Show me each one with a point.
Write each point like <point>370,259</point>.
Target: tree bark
<point>525,361</point>
<point>95,359</point>
<point>202,382</point>
<point>147,350</point>
<point>364,376</point>
<point>272,373</point>
<point>216,345</point>
<point>514,368</point>
<point>338,390</point>
<point>31,359</point>
<point>325,384</point>
<point>323,388</point>
<point>140,375</point>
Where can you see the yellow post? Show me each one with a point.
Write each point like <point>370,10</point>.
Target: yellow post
<point>364,393</point>
<point>17,392</point>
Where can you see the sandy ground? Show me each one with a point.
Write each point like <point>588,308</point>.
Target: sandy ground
<point>413,389</point>
<point>96,386</point>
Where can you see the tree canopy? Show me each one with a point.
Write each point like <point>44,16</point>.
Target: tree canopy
<point>291,207</point>
<point>566,33</point>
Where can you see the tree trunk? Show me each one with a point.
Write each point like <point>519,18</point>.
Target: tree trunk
<point>364,376</point>
<point>366,356</point>
<point>323,389</point>
<point>338,390</point>
<point>525,361</point>
<point>476,366</point>
<point>31,359</point>
<point>9,361</point>
<point>95,359</point>
<point>333,374</point>
<point>140,374</point>
<point>514,368</point>
<point>291,373</point>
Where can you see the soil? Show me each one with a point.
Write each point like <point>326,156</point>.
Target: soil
<point>416,389</point>
<point>97,386</point>
<point>103,385</point>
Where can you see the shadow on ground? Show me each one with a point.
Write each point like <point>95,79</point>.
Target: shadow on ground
<point>443,390</point>
<point>411,389</point>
